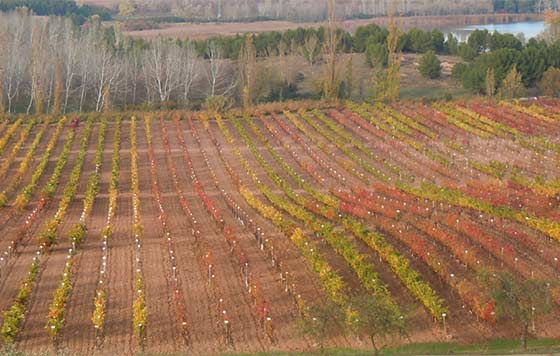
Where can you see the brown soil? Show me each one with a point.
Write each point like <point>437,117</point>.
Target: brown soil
<point>206,337</point>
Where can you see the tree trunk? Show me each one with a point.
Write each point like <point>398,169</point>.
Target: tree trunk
<point>375,349</point>
<point>524,334</point>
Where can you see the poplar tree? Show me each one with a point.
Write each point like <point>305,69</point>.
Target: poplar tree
<point>330,47</point>
<point>512,86</point>
<point>490,82</point>
<point>247,63</point>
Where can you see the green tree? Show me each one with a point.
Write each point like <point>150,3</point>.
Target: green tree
<point>437,41</point>
<point>533,62</point>
<point>506,40</point>
<point>550,82</point>
<point>519,301</point>
<point>419,41</point>
<point>379,318</point>
<point>474,79</point>
<point>478,40</point>
<point>466,52</point>
<point>451,45</point>
<point>512,86</point>
<point>377,54</point>
<point>325,320</point>
<point>368,34</point>
<point>430,65</point>
<point>459,71</point>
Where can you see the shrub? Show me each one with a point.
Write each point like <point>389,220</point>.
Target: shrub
<point>430,65</point>
<point>217,104</point>
<point>550,83</point>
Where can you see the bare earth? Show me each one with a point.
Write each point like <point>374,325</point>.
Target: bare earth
<point>163,335</point>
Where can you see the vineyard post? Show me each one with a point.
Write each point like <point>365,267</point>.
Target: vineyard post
<point>246,274</point>
<point>557,264</point>
<point>227,327</point>
<point>272,254</point>
<point>502,259</point>
<point>257,235</point>
<point>268,327</point>
<point>444,315</point>
<point>534,327</point>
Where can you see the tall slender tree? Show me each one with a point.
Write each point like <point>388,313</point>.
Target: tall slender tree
<point>490,82</point>
<point>395,57</point>
<point>330,54</point>
<point>247,70</point>
<point>387,83</point>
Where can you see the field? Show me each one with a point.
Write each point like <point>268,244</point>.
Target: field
<point>211,29</point>
<point>188,232</point>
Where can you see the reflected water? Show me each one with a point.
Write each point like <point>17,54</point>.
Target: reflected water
<point>528,29</point>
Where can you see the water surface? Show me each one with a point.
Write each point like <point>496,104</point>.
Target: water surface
<point>528,29</point>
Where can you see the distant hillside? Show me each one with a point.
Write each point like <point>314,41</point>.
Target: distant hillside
<point>299,10</point>
<point>316,9</point>
<point>313,10</point>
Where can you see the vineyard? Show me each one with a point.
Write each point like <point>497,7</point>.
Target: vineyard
<point>212,233</point>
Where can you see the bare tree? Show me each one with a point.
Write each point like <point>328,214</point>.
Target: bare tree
<point>190,71</point>
<point>285,55</point>
<point>17,61</point>
<point>90,40</point>
<point>162,62</point>
<point>310,48</point>
<point>221,80</point>
<point>107,70</point>
<point>70,55</point>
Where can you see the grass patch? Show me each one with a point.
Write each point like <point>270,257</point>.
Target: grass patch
<point>415,92</point>
<point>495,347</point>
<point>502,347</point>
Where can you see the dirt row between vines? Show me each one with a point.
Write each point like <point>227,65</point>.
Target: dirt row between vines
<point>163,334</point>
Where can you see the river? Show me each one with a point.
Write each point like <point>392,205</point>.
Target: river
<point>528,29</point>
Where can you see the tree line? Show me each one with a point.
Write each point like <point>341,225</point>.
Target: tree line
<point>67,8</point>
<point>53,65</point>
<point>489,58</point>
<point>316,10</point>
<point>523,6</point>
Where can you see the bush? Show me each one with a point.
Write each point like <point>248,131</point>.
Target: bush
<point>430,66</point>
<point>78,233</point>
<point>459,71</point>
<point>467,52</point>
<point>377,55</point>
<point>550,83</point>
<point>217,104</point>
